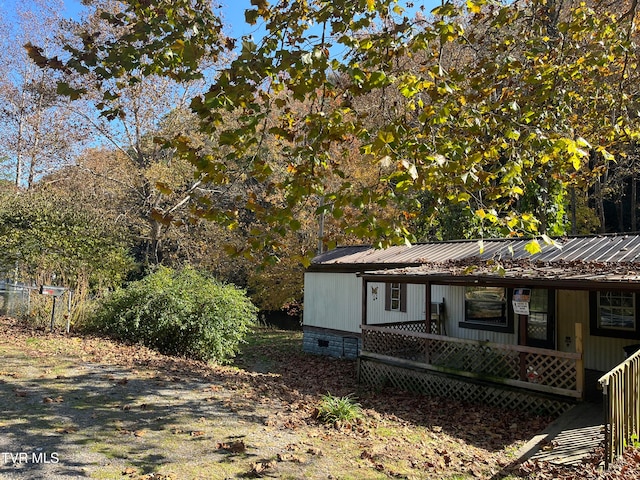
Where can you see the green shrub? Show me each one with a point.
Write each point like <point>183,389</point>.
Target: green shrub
<point>179,313</point>
<point>334,409</point>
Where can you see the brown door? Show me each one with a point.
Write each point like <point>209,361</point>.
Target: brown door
<point>540,324</point>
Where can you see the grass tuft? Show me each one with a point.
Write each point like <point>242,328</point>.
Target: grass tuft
<point>334,409</point>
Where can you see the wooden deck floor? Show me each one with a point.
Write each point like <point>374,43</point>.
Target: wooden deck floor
<point>570,438</point>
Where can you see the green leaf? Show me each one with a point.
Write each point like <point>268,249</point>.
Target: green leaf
<point>163,188</point>
<point>512,134</point>
<point>533,247</point>
<point>67,90</point>
<point>251,16</point>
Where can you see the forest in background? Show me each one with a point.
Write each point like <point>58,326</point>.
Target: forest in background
<point>143,135</point>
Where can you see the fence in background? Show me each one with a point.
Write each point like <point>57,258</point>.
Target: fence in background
<point>15,299</point>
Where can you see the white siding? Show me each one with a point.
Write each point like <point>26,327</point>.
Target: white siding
<point>454,300</point>
<point>375,305</point>
<point>453,297</point>
<point>333,300</point>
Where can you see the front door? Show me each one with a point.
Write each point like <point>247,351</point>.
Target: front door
<point>540,325</point>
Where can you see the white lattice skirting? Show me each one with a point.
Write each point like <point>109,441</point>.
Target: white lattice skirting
<point>380,375</point>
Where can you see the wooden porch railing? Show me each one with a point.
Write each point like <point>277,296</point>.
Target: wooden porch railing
<point>538,369</point>
<point>621,391</point>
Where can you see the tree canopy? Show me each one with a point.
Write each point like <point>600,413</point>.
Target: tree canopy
<point>498,109</point>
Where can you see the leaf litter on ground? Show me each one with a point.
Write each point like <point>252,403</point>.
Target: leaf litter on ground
<point>257,417</point>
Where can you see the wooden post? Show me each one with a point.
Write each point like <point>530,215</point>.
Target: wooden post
<point>365,286</point>
<point>53,312</point>
<point>427,307</point>
<point>522,337</point>
<point>428,313</point>
<point>363,321</point>
<point>579,361</point>
<point>68,310</point>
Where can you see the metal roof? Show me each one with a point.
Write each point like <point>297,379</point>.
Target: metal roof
<point>578,260</point>
<point>603,248</point>
<point>582,275</point>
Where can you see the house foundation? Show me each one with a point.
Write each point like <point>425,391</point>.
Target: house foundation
<point>333,343</point>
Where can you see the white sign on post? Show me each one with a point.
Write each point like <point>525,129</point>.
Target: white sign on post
<point>521,299</point>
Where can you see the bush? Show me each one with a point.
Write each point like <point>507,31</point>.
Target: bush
<point>179,313</point>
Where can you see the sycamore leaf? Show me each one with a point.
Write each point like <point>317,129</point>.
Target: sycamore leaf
<point>550,241</point>
<point>251,16</point>
<point>161,218</point>
<point>474,6</point>
<point>65,89</point>
<point>413,172</point>
<point>576,162</point>
<point>533,247</point>
<point>163,188</point>
<point>605,154</point>
<point>512,134</point>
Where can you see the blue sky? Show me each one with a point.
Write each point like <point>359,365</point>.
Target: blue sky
<point>233,13</point>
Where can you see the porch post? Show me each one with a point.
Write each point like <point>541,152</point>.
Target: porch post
<point>427,309</point>
<point>580,361</point>
<point>522,340</point>
<point>365,286</point>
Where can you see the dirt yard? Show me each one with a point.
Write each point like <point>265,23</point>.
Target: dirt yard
<point>76,407</point>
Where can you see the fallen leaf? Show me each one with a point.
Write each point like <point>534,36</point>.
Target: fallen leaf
<point>259,468</point>
<point>238,447</point>
<point>67,430</point>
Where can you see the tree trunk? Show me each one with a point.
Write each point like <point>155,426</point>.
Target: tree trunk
<point>20,139</point>
<point>620,213</point>
<point>543,206</point>
<point>600,204</point>
<point>633,208</point>
<point>36,134</point>
<point>574,216</point>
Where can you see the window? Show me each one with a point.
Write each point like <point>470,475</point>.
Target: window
<point>395,297</point>
<point>614,314</point>
<point>487,308</point>
<point>538,321</point>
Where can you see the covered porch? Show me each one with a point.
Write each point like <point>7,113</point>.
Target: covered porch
<point>534,369</point>
<point>513,373</point>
